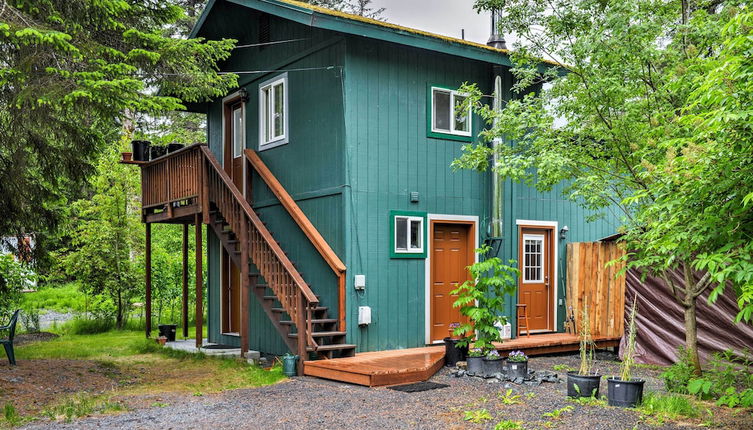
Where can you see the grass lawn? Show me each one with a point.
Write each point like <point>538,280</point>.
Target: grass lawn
<point>78,375</point>
<point>61,298</point>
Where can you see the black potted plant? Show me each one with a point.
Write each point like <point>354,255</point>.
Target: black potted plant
<point>584,382</point>
<point>493,363</point>
<point>482,300</point>
<point>474,362</point>
<point>625,390</point>
<point>157,151</point>
<point>172,147</point>
<point>453,351</point>
<point>140,149</point>
<point>517,365</point>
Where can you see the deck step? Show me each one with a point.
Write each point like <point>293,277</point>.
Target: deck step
<point>316,309</point>
<point>314,321</point>
<point>336,347</point>
<point>321,334</point>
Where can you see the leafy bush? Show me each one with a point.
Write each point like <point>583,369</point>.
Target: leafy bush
<point>728,380</point>
<point>14,277</point>
<point>677,376</point>
<point>482,300</point>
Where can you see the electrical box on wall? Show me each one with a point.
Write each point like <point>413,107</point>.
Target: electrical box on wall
<point>364,315</point>
<point>360,282</point>
<point>505,331</point>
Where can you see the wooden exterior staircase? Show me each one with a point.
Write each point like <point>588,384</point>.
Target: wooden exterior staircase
<point>190,185</point>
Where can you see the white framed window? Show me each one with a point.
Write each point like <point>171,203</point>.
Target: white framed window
<point>409,234</point>
<point>237,130</point>
<point>445,117</point>
<point>273,112</point>
<point>533,258</point>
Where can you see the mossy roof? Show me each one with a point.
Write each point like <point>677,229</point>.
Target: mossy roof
<point>317,16</point>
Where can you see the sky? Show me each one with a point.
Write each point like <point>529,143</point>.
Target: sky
<point>445,17</point>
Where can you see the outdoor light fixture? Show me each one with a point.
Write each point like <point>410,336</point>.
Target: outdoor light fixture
<point>244,95</point>
<point>563,232</point>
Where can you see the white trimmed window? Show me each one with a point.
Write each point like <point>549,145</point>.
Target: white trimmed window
<point>445,117</point>
<point>273,112</point>
<point>409,232</point>
<point>533,258</point>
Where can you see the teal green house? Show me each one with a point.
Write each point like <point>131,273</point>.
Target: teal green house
<point>356,121</point>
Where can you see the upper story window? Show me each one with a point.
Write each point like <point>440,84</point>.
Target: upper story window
<point>446,118</point>
<point>273,112</point>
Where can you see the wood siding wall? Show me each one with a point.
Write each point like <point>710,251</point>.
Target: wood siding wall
<point>310,166</point>
<point>591,282</point>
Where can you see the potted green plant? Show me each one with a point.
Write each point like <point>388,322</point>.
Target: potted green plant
<point>625,390</point>
<point>453,351</point>
<point>585,381</point>
<point>474,362</point>
<point>493,363</point>
<point>482,300</point>
<point>517,365</point>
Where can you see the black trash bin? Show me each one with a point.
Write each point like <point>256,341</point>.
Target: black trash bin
<point>168,330</point>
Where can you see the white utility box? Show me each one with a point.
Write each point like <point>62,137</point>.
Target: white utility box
<point>505,331</point>
<point>364,315</point>
<point>360,282</point>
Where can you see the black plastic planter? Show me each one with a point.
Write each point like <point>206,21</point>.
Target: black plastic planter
<point>168,330</point>
<point>588,385</point>
<point>452,352</point>
<point>157,151</point>
<point>475,366</point>
<point>517,369</point>
<point>627,394</point>
<point>493,366</point>
<point>140,149</point>
<point>172,147</point>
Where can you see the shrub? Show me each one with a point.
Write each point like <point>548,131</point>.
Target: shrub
<point>14,277</point>
<point>670,406</point>
<point>677,376</point>
<point>30,320</point>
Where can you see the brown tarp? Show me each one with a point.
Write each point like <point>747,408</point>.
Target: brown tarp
<point>661,322</point>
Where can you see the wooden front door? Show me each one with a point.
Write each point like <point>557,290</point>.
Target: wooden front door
<point>233,165</point>
<point>536,254</point>
<point>451,254</point>
<point>234,141</point>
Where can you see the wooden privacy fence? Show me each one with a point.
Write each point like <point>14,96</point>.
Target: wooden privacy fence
<point>590,281</point>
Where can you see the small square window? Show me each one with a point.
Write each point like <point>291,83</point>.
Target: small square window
<point>273,112</point>
<point>446,118</point>
<point>408,232</point>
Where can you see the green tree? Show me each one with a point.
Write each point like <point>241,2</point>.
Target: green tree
<point>621,127</point>
<point>107,234</point>
<point>74,72</point>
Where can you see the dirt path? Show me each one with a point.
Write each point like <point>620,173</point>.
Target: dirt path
<point>317,404</point>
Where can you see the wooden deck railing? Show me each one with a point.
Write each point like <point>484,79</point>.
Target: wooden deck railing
<point>172,177</point>
<point>291,290</point>
<point>300,218</point>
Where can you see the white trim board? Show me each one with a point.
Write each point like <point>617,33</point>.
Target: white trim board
<point>427,262</point>
<point>556,239</point>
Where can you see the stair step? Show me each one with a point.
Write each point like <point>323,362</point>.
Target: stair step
<point>335,347</point>
<point>321,334</point>
<point>316,309</point>
<point>314,321</point>
<point>270,297</point>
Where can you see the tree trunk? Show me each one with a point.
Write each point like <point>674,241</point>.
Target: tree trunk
<point>691,334</point>
<point>119,313</point>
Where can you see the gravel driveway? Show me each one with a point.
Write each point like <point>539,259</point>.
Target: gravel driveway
<point>312,403</point>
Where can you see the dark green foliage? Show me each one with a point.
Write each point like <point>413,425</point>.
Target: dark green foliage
<point>677,376</point>
<point>14,277</point>
<point>74,74</point>
<point>483,301</point>
<point>82,325</point>
<point>728,379</point>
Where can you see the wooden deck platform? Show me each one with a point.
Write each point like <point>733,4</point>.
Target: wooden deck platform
<point>402,366</point>
<point>550,343</point>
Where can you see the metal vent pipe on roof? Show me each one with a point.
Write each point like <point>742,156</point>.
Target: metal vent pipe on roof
<point>496,39</point>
